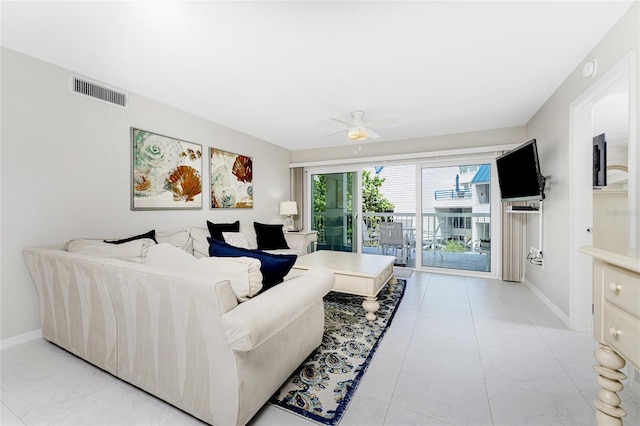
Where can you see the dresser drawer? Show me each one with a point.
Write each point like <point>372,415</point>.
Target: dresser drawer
<point>383,277</point>
<point>622,288</point>
<point>622,332</point>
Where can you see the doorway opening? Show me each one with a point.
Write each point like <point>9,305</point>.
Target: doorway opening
<point>581,201</point>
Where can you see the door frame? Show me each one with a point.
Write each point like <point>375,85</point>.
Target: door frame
<point>357,199</point>
<point>580,185</point>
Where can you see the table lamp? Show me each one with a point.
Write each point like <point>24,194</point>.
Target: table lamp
<point>288,208</point>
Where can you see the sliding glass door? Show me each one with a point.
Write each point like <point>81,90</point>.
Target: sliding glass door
<point>456,217</point>
<point>443,207</point>
<point>333,203</point>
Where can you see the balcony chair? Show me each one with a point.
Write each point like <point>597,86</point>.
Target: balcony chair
<point>367,239</point>
<point>391,237</point>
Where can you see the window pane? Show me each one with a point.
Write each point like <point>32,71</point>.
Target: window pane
<point>389,195</point>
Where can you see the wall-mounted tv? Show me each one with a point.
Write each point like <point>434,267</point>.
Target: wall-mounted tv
<point>519,174</point>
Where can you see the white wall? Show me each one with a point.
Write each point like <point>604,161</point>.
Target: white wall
<point>66,173</point>
<point>550,127</point>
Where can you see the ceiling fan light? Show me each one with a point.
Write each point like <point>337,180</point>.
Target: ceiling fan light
<point>357,133</point>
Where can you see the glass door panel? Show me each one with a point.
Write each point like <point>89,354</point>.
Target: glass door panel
<point>456,217</point>
<point>389,196</point>
<point>332,202</point>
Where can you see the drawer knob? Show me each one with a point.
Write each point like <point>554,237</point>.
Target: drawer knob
<point>614,332</point>
<point>615,287</point>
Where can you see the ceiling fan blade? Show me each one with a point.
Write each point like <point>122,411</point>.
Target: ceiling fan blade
<point>383,122</point>
<point>341,122</point>
<point>341,131</point>
<point>372,134</point>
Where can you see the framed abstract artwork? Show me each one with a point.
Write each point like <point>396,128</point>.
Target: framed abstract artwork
<point>231,180</point>
<point>165,172</point>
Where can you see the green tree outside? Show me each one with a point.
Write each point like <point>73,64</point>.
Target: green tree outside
<point>372,199</point>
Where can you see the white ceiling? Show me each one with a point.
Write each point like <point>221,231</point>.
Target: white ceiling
<point>279,70</point>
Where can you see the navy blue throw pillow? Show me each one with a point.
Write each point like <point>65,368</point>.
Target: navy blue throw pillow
<point>151,235</point>
<point>274,267</point>
<point>269,237</point>
<point>216,229</point>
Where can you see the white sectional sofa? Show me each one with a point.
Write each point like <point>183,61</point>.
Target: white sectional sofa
<point>184,336</point>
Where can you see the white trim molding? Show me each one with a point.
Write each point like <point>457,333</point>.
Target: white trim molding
<point>563,317</point>
<point>413,157</point>
<point>20,339</point>
<point>580,189</point>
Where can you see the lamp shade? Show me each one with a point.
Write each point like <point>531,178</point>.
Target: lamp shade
<point>288,208</point>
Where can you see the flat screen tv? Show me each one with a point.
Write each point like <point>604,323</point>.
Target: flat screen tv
<point>519,174</point>
<point>600,160</point>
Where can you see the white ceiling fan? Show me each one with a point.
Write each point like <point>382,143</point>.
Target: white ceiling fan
<point>358,129</point>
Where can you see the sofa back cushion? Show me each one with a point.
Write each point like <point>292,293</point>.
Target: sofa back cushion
<point>274,267</point>
<point>243,272</point>
<point>133,251</point>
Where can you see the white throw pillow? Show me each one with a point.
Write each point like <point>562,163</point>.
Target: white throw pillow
<point>133,251</point>
<point>236,239</point>
<point>242,272</point>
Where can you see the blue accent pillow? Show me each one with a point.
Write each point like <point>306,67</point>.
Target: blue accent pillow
<point>274,267</point>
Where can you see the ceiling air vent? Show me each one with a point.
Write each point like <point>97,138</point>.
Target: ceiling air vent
<point>100,92</point>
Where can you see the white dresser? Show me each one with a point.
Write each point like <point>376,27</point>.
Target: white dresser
<point>616,324</point>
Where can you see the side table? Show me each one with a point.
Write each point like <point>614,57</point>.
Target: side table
<point>304,241</point>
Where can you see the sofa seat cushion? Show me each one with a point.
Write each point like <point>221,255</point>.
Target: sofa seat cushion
<point>242,272</point>
<point>274,267</point>
<point>133,251</point>
<point>286,251</point>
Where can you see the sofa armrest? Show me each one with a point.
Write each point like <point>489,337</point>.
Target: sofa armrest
<point>226,297</point>
<point>253,322</point>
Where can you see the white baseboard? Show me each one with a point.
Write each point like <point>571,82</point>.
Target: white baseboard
<point>20,339</point>
<point>563,317</point>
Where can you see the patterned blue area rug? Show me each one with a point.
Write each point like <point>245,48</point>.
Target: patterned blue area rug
<point>324,384</point>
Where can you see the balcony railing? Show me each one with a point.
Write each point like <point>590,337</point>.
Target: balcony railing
<point>448,240</point>
<point>451,194</point>
<point>437,228</point>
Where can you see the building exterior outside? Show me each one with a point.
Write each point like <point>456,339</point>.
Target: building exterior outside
<point>455,209</point>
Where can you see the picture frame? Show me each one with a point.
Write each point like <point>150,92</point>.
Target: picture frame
<point>230,180</point>
<point>166,173</point>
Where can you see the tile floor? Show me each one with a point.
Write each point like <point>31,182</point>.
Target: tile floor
<point>460,351</point>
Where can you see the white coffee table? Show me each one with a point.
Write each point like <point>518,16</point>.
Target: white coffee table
<point>359,274</point>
